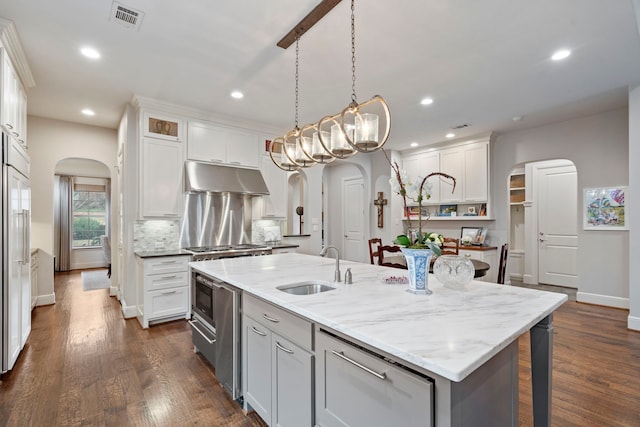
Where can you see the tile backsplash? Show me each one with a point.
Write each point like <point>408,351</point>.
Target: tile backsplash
<point>154,235</point>
<point>258,226</point>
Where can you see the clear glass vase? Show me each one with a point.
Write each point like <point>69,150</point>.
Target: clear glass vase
<point>453,271</point>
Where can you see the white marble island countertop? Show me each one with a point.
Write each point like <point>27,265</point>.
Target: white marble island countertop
<point>450,332</point>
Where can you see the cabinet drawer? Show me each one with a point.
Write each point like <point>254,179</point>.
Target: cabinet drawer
<point>357,388</point>
<point>167,302</point>
<point>479,255</point>
<point>155,282</point>
<point>167,264</point>
<point>282,322</point>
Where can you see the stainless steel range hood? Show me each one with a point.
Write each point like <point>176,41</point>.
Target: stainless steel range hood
<point>208,178</point>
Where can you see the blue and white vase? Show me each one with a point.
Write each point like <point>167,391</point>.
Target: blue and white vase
<point>418,266</point>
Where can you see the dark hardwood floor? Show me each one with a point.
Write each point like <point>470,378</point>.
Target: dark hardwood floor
<point>85,365</point>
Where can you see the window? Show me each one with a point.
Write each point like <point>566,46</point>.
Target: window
<point>89,212</point>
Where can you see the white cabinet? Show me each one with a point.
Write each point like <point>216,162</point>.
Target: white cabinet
<point>164,294</point>
<point>275,204</point>
<point>469,165</point>
<point>355,387</point>
<point>277,364</point>
<point>490,256</point>
<point>422,165</point>
<point>13,108</point>
<point>161,173</point>
<point>289,250</point>
<point>211,142</point>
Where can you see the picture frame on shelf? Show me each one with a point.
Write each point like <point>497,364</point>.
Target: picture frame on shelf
<point>158,126</point>
<point>605,208</point>
<point>473,235</point>
<point>448,210</point>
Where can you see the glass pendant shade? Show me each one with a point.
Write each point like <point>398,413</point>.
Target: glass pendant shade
<point>318,152</point>
<point>372,123</point>
<point>277,152</point>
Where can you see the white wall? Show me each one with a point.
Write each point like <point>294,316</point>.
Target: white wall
<point>634,210</point>
<point>49,142</point>
<point>598,146</point>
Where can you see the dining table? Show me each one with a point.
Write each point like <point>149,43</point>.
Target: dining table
<point>481,268</point>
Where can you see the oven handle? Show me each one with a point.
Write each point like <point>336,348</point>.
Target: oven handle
<point>197,328</point>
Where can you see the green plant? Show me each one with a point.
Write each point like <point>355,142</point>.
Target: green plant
<point>416,191</point>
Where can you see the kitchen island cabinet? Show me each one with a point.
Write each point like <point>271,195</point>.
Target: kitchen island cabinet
<point>464,342</point>
<point>278,371</point>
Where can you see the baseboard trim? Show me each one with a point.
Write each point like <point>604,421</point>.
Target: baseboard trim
<point>633,323</point>
<point>46,299</point>
<point>605,300</point>
<point>128,311</point>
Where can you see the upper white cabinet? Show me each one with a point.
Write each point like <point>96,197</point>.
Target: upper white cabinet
<point>468,163</point>
<point>421,165</point>
<point>211,142</point>
<point>161,178</point>
<point>13,108</point>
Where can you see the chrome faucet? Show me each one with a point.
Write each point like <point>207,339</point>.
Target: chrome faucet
<point>336,276</point>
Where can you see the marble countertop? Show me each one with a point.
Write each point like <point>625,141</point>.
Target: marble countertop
<point>450,333</point>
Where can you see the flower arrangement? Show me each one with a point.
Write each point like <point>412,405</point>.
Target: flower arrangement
<point>417,191</point>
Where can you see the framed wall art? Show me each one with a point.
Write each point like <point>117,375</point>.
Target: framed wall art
<point>158,126</point>
<point>605,208</point>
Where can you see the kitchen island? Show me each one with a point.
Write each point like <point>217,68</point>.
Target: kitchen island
<point>463,342</point>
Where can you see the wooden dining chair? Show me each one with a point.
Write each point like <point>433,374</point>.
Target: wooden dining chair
<point>450,246</point>
<point>502,266</point>
<point>393,258</point>
<point>374,246</point>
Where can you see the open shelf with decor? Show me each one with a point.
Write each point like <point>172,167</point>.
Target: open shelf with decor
<point>450,212</point>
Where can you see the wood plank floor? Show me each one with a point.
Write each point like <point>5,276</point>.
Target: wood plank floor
<point>85,365</point>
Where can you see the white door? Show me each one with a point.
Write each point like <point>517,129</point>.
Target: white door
<point>557,192</point>
<point>353,219</point>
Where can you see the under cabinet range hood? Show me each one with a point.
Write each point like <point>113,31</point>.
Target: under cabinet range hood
<point>209,178</point>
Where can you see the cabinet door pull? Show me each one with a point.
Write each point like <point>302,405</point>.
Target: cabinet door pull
<point>168,293</point>
<point>382,376</point>
<point>168,262</point>
<point>286,350</point>
<point>262,334</point>
<point>8,125</point>
<point>270,319</point>
<point>169,277</point>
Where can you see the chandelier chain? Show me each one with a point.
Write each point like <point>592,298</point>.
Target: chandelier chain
<point>297,74</point>
<point>353,52</point>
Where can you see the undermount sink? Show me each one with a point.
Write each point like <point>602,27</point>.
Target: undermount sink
<point>308,287</point>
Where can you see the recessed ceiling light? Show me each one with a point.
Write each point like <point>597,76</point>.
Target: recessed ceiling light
<point>237,94</point>
<point>90,52</point>
<point>88,112</point>
<point>516,118</point>
<point>450,135</point>
<point>414,144</point>
<point>426,101</point>
<point>561,54</point>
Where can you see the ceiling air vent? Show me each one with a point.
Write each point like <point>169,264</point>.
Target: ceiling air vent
<point>126,16</point>
<point>462,126</point>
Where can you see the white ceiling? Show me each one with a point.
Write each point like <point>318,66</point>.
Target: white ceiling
<point>483,62</point>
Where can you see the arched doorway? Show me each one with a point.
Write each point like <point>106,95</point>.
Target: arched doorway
<point>82,211</point>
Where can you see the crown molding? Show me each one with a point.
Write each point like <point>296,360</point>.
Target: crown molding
<point>11,42</point>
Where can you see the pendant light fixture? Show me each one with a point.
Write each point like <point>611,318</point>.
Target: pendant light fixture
<point>291,156</point>
<point>359,128</point>
<point>365,127</point>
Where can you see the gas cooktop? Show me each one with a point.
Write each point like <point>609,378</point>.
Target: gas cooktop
<point>221,248</point>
